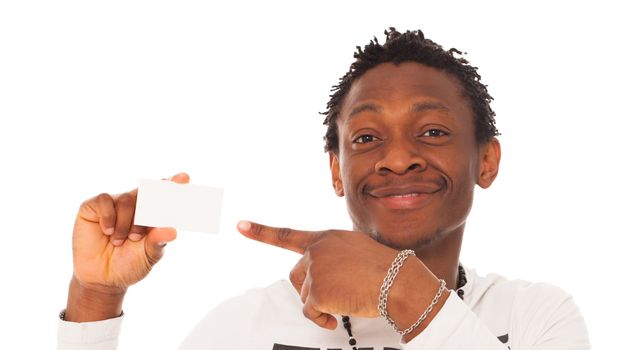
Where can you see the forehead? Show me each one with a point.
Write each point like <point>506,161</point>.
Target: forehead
<point>394,86</point>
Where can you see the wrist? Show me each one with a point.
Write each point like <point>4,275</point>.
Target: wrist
<point>87,303</point>
<point>412,292</point>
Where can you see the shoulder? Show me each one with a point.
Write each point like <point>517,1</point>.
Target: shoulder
<point>497,288</point>
<point>531,310</point>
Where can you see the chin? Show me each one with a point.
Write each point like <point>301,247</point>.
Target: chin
<point>406,238</point>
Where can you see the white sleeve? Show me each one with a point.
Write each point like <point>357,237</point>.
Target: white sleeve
<point>548,319</point>
<point>99,335</point>
<point>455,327</point>
<point>543,318</point>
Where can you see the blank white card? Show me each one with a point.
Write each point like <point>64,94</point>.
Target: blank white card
<point>162,203</point>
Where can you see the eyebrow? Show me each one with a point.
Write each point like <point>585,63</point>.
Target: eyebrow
<point>428,106</point>
<point>414,109</point>
<point>364,108</point>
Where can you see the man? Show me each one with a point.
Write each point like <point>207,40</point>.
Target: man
<point>410,134</point>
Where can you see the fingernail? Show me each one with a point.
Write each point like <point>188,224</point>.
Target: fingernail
<point>109,231</point>
<point>244,225</point>
<point>135,236</point>
<point>117,242</point>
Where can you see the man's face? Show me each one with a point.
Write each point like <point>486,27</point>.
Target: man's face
<point>408,159</point>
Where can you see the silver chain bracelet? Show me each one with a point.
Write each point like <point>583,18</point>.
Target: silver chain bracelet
<point>388,282</point>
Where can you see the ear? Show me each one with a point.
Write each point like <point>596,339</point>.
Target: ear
<point>490,162</point>
<point>335,172</point>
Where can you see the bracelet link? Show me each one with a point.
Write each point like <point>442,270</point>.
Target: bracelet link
<point>388,282</point>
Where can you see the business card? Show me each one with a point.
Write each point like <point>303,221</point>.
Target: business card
<point>164,203</point>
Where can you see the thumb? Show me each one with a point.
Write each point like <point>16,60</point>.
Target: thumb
<point>155,241</point>
<point>181,178</point>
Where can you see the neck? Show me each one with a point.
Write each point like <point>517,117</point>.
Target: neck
<point>442,257</point>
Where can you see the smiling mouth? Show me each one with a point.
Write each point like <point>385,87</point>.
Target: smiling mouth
<point>408,201</point>
<point>409,198</point>
<point>403,195</point>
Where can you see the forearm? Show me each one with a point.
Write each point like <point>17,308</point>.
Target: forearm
<point>90,304</point>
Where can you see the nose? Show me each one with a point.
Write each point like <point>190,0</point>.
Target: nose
<point>399,158</point>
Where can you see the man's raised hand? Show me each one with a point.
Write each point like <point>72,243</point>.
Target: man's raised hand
<point>110,254</point>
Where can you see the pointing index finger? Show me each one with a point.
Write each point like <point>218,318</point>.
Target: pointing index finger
<point>294,240</point>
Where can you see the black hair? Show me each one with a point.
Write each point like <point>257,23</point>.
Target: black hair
<point>413,46</point>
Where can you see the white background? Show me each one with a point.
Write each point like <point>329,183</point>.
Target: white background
<point>96,95</point>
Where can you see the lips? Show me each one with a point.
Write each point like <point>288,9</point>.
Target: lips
<point>409,196</point>
<point>410,190</point>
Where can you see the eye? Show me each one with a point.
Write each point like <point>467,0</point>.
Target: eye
<point>434,133</point>
<point>365,139</point>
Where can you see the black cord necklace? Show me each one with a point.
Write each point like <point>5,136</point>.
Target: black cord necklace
<point>461,281</point>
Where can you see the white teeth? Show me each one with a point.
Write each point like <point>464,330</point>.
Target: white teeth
<point>405,195</point>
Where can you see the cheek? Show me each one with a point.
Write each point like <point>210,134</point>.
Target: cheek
<point>460,175</point>
<point>354,174</point>
<point>354,170</point>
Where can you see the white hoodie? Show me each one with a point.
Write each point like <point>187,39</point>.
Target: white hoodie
<point>495,313</point>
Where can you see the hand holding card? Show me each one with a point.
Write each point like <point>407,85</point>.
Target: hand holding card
<point>110,253</point>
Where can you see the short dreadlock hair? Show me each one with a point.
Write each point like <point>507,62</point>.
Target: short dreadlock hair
<point>413,46</point>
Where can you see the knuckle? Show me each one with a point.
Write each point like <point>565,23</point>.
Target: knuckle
<point>306,311</point>
<point>125,199</point>
<point>257,229</point>
<point>292,277</point>
<point>283,234</point>
<point>97,204</point>
<point>297,277</point>
<point>324,234</point>
<point>103,197</point>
